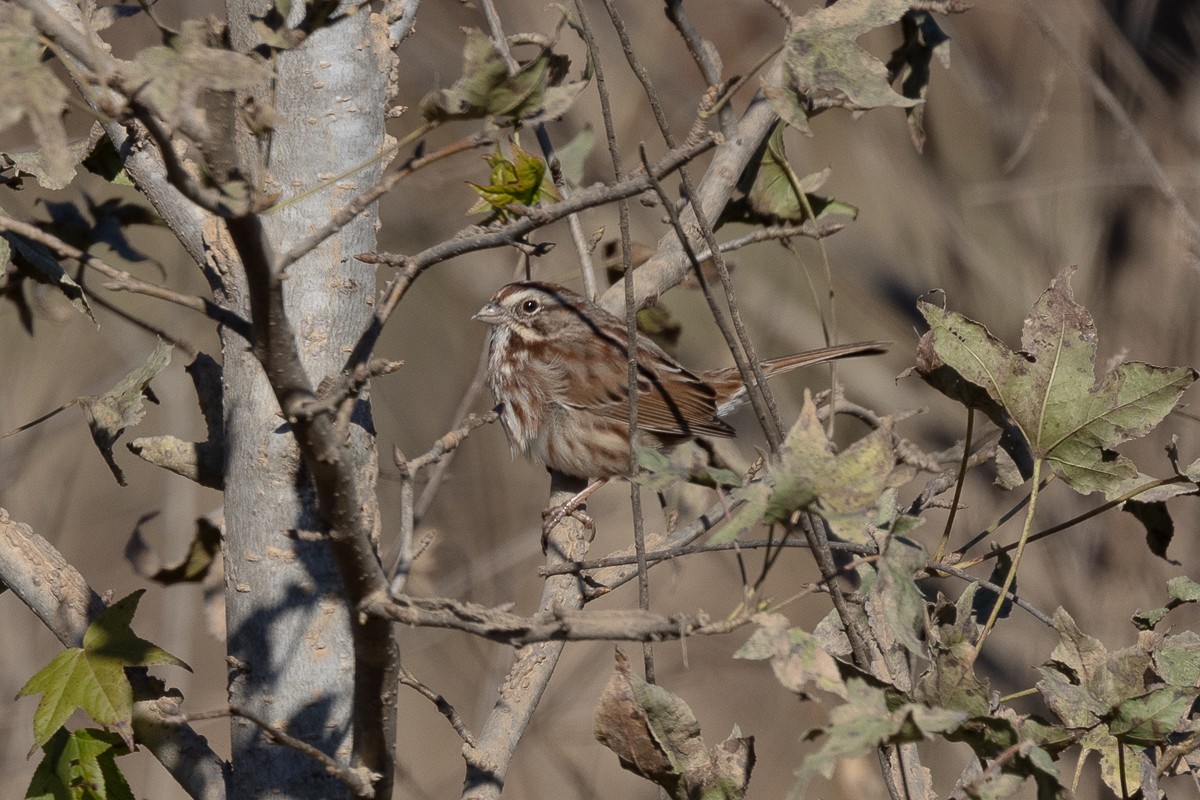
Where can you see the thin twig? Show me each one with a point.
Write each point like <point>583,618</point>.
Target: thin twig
<point>581,245</point>
<point>443,706</point>
<point>465,404</point>
<point>667,554</point>
<point>771,424</point>
<point>393,175</point>
<point>448,442</point>
<point>631,331</point>
<point>122,280</point>
<point>700,51</point>
<point>410,470</point>
<point>958,486</point>
<point>1073,521</point>
<point>472,240</point>
<point>1040,616</point>
<point>359,780</point>
<point>743,351</point>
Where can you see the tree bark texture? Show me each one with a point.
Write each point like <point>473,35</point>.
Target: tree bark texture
<point>291,653</point>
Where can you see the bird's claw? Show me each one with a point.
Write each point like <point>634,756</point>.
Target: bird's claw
<point>551,517</point>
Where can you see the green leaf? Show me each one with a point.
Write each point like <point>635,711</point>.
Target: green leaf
<point>521,179</point>
<point>657,471</point>
<point>36,261</point>
<point>573,155</point>
<point>537,91</point>
<point>797,659</point>
<point>105,161</point>
<point>845,488</point>
<point>30,90</point>
<point>863,723</point>
<point>92,677</point>
<point>1181,590</point>
<point>171,78</point>
<point>1177,660</point>
<point>80,765</point>
<point>769,191</point>
<point>1147,720</point>
<point>897,595</point>
<point>1112,772</point>
<point>1049,393</point>
<point>655,735</point>
<point>823,65</point>
<point>109,414</point>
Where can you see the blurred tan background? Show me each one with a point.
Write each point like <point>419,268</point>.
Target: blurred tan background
<point>1023,173</point>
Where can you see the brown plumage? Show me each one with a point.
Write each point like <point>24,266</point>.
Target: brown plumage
<point>558,366</point>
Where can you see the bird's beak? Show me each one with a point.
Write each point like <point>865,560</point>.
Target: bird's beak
<point>492,314</point>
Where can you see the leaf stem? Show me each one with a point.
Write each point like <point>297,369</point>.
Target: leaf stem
<point>1012,571</point>
<point>958,485</point>
<point>1073,521</point>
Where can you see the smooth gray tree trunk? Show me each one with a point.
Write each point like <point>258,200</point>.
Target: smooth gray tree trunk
<point>291,658</point>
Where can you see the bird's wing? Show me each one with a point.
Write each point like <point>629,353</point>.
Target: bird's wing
<point>671,400</point>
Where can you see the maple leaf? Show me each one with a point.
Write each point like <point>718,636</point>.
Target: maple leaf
<point>823,65</point>
<point>1048,392</point>
<point>536,91</point>
<point>30,90</point>
<point>80,764</point>
<point>523,179</point>
<point>93,678</point>
<point>769,191</point>
<point>844,488</point>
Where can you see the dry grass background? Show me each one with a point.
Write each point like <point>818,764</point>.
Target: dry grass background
<point>1023,174</point>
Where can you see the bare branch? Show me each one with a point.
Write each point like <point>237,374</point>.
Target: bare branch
<point>360,780</point>
<point>521,691</point>
<point>393,175</point>
<point>60,597</point>
<point>554,625</point>
<point>143,165</point>
<point>409,470</point>
<point>444,708</point>
<point>122,280</point>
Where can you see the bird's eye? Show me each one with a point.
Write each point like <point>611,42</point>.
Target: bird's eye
<point>529,306</point>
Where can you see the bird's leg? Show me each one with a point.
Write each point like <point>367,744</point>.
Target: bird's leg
<point>573,507</point>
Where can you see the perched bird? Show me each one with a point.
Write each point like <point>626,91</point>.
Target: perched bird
<point>558,366</point>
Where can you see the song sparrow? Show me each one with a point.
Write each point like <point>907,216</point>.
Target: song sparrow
<point>558,365</point>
